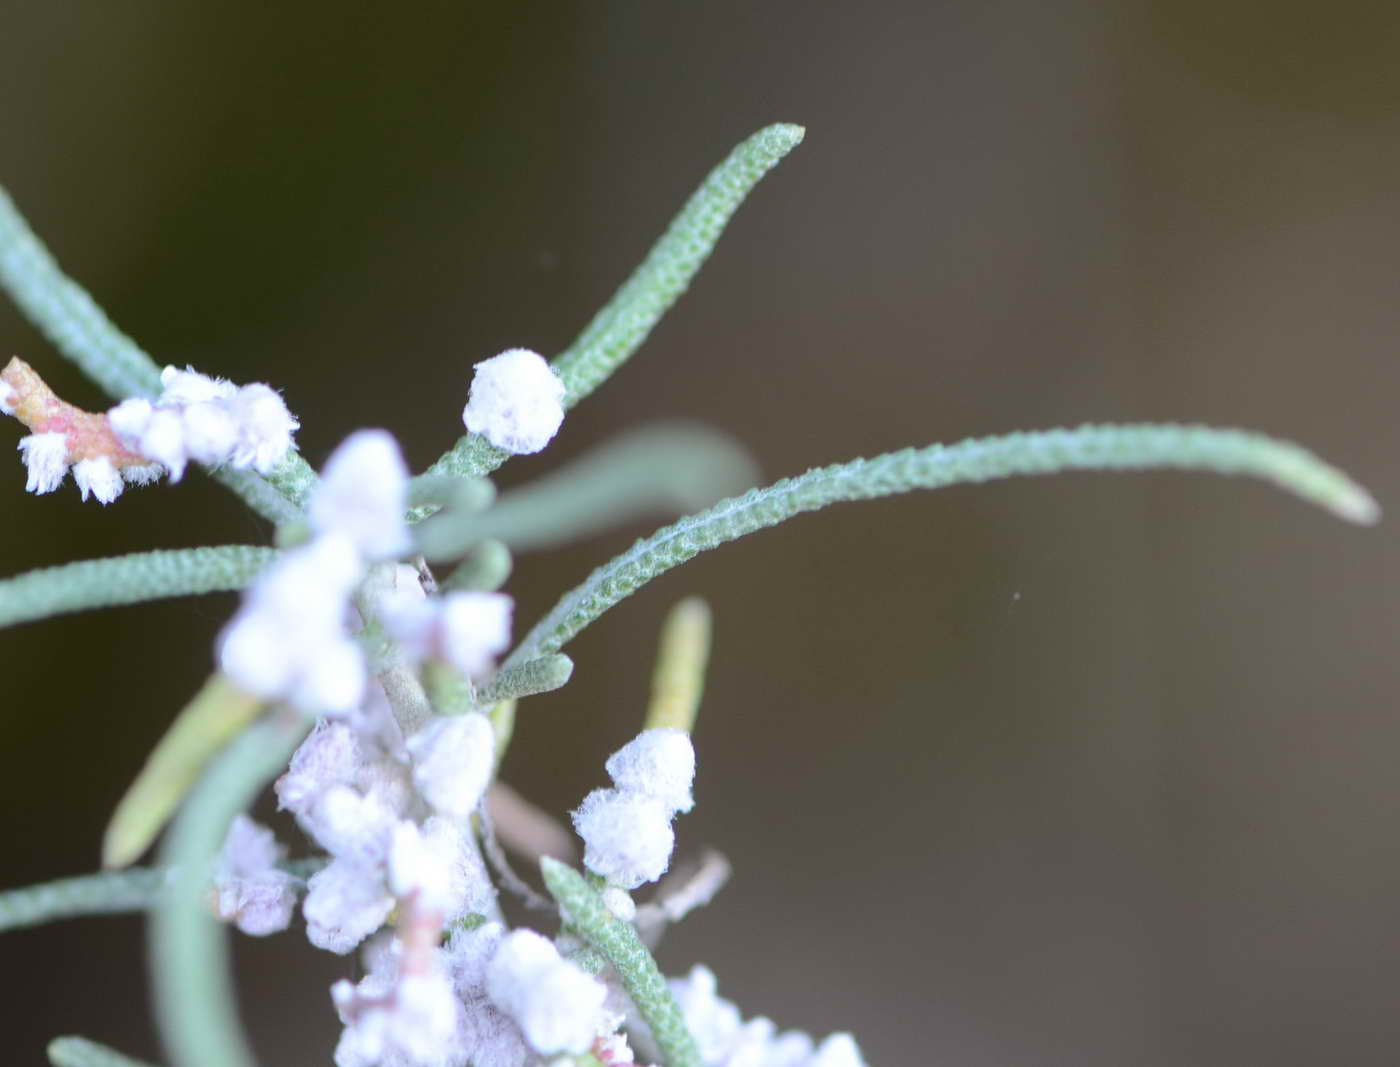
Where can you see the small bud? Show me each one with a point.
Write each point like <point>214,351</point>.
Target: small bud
<point>659,763</point>
<point>628,836</point>
<point>516,401</point>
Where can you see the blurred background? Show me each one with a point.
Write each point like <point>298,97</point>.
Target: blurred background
<point>1095,770</point>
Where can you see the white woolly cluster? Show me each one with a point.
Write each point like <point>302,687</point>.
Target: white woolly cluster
<point>46,459</point>
<point>353,791</point>
<point>290,640</point>
<point>250,890</point>
<point>725,1040</point>
<point>47,462</point>
<point>397,1018</point>
<point>516,401</point>
<point>363,493</point>
<point>209,420</point>
<point>467,630</point>
<point>627,830</point>
<point>557,1006</point>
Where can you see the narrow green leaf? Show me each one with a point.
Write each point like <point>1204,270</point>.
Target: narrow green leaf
<point>667,468</point>
<point>678,680</point>
<point>583,910</point>
<point>623,324</point>
<point>485,569</point>
<point>192,985</point>
<point>108,893</point>
<point>1125,447</point>
<point>133,579</point>
<point>542,675</point>
<point>105,893</point>
<point>218,713</point>
<point>73,323</point>
<point>80,1052</point>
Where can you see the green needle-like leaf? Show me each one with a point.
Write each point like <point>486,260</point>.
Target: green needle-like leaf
<point>218,713</point>
<point>104,893</point>
<point>1126,447</point>
<point>542,675</point>
<point>108,893</point>
<point>80,1052</point>
<point>678,679</point>
<point>133,579</point>
<point>583,910</point>
<point>623,324</point>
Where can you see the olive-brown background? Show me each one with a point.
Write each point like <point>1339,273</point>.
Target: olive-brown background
<point>1093,770</point>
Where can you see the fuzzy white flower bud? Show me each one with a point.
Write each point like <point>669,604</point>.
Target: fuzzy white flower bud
<point>659,763</point>
<point>345,903</point>
<point>205,419</point>
<point>210,432</point>
<point>400,1020</point>
<point>628,836</point>
<point>188,386</point>
<point>329,756</point>
<point>558,1006</point>
<point>98,477</point>
<point>453,756</point>
<point>713,1021</point>
<point>516,401</point>
<point>425,864</point>
<point>250,889</point>
<point>468,630</point>
<point>363,494</point>
<point>265,428</point>
<point>352,826</point>
<point>838,1050</point>
<point>163,440</point>
<point>288,641</point>
<point>46,458</point>
<point>619,903</point>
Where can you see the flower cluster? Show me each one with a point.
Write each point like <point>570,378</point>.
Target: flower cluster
<point>627,829</point>
<point>198,418</point>
<point>208,420</point>
<point>725,1040</point>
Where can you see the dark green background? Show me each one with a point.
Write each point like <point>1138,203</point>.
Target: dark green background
<point>1097,770</point>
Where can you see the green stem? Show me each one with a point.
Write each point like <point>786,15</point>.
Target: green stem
<point>133,579</point>
<point>670,467</point>
<point>582,908</point>
<point>67,315</point>
<point>1125,447</point>
<point>623,324</point>
<point>192,985</point>
<point>80,1052</point>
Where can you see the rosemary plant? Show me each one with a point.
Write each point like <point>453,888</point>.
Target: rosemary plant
<point>370,672</point>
